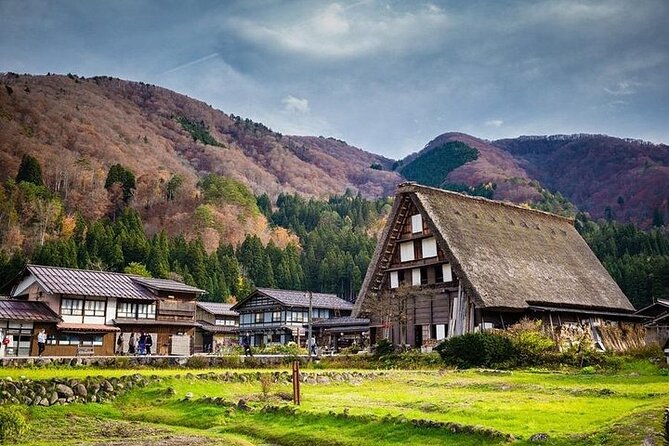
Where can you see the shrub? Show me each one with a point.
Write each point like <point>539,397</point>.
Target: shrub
<point>197,362</point>
<point>484,349</point>
<point>12,423</point>
<point>531,344</point>
<point>265,384</point>
<point>383,347</point>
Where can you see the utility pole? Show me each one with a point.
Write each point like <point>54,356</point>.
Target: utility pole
<point>311,309</point>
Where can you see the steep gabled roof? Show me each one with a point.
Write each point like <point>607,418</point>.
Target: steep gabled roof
<point>217,309</point>
<point>508,256</point>
<point>292,298</point>
<point>57,280</point>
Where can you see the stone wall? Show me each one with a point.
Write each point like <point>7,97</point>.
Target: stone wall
<point>64,391</point>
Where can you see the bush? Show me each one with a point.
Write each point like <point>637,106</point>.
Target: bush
<point>484,349</point>
<point>383,347</point>
<point>532,346</point>
<point>12,423</point>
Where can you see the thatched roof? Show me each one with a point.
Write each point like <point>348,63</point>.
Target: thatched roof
<point>507,256</point>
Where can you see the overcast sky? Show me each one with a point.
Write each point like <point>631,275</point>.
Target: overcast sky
<point>383,75</point>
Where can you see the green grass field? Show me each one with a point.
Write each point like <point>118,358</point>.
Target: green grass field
<point>571,408</point>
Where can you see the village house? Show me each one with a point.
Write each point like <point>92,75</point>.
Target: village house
<point>657,323</point>
<point>216,328</point>
<point>448,264</point>
<point>95,308</point>
<point>278,316</point>
<point>19,323</point>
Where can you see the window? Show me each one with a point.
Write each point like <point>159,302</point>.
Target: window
<point>415,277</point>
<point>258,318</point>
<point>95,308</point>
<point>423,276</point>
<point>126,310</point>
<point>246,319</point>
<point>401,276</point>
<point>429,247</point>
<point>71,307</point>
<point>438,274</point>
<point>276,316</point>
<point>447,272</point>
<point>406,252</point>
<point>225,321</point>
<point>71,339</point>
<point>416,223</point>
<point>136,311</point>
<point>394,281</point>
<point>146,311</point>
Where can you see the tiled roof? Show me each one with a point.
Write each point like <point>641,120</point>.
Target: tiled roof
<point>218,309</point>
<point>86,328</point>
<point>56,280</point>
<point>291,298</point>
<point>213,328</point>
<point>23,310</point>
<point>341,322</point>
<point>167,285</point>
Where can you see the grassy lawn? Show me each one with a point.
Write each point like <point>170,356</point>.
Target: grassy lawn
<point>618,409</point>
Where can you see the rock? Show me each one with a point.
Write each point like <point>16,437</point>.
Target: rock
<point>243,405</point>
<point>53,398</point>
<point>64,391</point>
<point>323,380</point>
<point>44,402</point>
<point>188,396</point>
<point>80,390</point>
<point>107,386</point>
<point>537,438</point>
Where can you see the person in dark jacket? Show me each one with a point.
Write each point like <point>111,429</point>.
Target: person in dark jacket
<point>148,343</point>
<point>132,347</point>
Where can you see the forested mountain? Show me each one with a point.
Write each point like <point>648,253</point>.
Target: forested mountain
<point>109,174</point>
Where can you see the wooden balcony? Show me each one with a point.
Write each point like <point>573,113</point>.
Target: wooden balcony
<point>172,310</point>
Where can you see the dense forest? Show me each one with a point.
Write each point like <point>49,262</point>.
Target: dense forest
<point>334,240</point>
<point>334,249</point>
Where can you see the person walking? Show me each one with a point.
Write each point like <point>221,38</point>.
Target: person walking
<point>246,343</point>
<point>131,344</point>
<point>148,343</point>
<point>119,344</point>
<point>41,342</point>
<point>312,346</point>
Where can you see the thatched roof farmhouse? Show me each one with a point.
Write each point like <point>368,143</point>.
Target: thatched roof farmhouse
<point>449,263</point>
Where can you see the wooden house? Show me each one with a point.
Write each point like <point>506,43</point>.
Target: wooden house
<point>448,264</point>
<point>217,326</point>
<point>278,316</point>
<point>20,321</point>
<point>96,307</point>
<point>657,323</point>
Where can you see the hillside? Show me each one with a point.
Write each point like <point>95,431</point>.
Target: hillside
<point>596,172</point>
<point>613,178</point>
<point>78,128</point>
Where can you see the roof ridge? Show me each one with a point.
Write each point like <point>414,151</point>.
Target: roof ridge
<point>410,186</point>
<point>83,269</point>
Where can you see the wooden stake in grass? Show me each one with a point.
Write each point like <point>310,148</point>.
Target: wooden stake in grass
<point>296,383</point>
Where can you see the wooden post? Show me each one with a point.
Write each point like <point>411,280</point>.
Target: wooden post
<point>296,383</point>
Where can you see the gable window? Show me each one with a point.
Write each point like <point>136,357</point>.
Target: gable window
<point>72,307</point>
<point>406,252</point>
<point>415,277</point>
<point>394,281</point>
<point>429,247</point>
<point>438,274</point>
<point>447,272</point>
<point>416,223</point>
